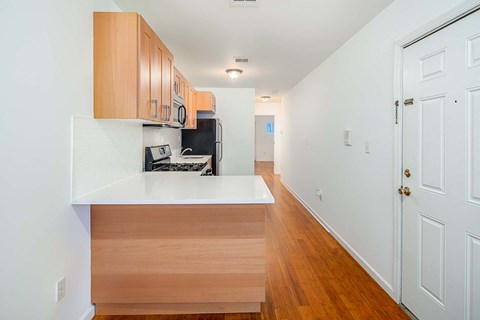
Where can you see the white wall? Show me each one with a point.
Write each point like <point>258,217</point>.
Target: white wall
<point>275,109</point>
<point>236,109</point>
<point>104,152</point>
<point>353,89</point>
<point>47,77</point>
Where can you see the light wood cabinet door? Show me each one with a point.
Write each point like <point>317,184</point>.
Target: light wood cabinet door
<point>176,83</point>
<point>146,72</point>
<point>168,79</point>
<point>192,109</point>
<point>206,101</point>
<point>115,65</point>
<point>188,105</point>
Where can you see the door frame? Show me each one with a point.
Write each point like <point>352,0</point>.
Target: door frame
<point>437,24</point>
<point>274,140</point>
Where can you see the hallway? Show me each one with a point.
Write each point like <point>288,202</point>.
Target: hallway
<point>309,275</point>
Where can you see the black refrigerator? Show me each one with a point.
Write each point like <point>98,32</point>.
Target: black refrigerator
<point>206,140</point>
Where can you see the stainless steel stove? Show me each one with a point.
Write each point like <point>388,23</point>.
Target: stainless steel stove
<point>157,158</point>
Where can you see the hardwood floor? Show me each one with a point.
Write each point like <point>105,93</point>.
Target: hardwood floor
<point>309,275</point>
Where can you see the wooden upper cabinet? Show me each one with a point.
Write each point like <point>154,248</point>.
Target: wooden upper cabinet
<point>206,101</point>
<point>133,69</point>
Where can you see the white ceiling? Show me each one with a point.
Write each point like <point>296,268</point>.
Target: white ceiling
<point>286,39</point>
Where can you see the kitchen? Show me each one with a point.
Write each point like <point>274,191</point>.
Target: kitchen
<point>65,161</point>
<point>178,191</point>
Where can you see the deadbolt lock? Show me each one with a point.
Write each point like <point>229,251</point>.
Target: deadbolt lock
<point>404,191</point>
<point>407,173</point>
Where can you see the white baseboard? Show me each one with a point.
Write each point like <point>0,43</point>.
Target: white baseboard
<point>88,314</point>
<point>365,265</point>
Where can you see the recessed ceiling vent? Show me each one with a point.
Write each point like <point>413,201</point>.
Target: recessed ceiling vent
<point>242,59</point>
<point>243,3</point>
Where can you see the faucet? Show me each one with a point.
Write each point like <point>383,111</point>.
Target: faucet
<point>185,150</point>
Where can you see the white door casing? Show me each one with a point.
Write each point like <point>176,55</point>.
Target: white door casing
<point>441,148</point>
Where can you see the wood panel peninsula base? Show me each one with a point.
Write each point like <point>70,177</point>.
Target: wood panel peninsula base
<point>178,259</point>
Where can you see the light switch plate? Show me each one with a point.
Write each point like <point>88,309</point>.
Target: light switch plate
<point>347,137</point>
<point>367,147</point>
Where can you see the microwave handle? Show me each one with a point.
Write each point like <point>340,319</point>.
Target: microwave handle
<point>182,115</point>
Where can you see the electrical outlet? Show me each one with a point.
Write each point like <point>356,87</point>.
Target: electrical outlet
<point>319,194</point>
<point>60,289</point>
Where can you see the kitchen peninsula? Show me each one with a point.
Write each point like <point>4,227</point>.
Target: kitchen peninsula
<point>178,243</point>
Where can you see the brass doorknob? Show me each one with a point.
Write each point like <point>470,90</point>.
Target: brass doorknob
<point>407,173</point>
<point>405,191</point>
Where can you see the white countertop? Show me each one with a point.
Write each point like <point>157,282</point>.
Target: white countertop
<point>181,188</point>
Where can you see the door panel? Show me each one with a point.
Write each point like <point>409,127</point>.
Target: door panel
<point>473,145</point>
<point>433,65</point>
<point>432,258</point>
<point>473,51</point>
<point>432,144</point>
<point>441,148</point>
<point>473,278</point>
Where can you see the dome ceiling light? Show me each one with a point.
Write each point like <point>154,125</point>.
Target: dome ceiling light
<point>265,98</point>
<point>234,73</point>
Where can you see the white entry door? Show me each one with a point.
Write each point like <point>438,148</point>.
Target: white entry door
<point>441,151</point>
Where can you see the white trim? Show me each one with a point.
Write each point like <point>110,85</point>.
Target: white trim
<point>442,21</point>
<point>365,265</point>
<point>88,314</point>
<point>397,174</point>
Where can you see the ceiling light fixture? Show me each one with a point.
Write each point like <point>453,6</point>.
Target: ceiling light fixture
<point>234,73</point>
<point>265,98</point>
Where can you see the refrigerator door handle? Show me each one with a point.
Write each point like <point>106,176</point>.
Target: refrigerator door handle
<point>221,140</point>
<point>221,131</point>
<point>221,149</point>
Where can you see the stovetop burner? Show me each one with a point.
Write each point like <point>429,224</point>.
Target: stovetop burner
<point>182,167</point>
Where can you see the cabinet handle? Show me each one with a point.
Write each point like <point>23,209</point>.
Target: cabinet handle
<point>167,112</point>
<point>156,109</point>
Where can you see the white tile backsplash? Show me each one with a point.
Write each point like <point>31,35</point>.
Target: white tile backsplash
<point>157,136</point>
<point>104,152</point>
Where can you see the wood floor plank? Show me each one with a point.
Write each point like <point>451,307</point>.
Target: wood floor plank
<point>309,274</point>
